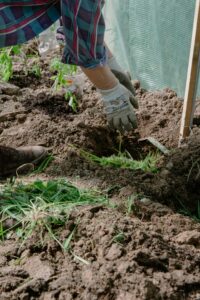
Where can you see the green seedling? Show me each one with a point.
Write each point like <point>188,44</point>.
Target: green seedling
<point>36,70</point>
<point>42,206</point>
<point>66,244</point>
<point>6,70</point>
<point>62,71</point>
<point>119,238</point>
<point>7,56</point>
<point>2,234</point>
<point>130,205</point>
<point>72,101</point>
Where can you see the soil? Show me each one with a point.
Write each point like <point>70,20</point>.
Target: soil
<point>159,255</point>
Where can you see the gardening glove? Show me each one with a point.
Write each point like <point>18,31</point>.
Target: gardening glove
<point>119,103</point>
<point>123,77</point>
<point>125,80</point>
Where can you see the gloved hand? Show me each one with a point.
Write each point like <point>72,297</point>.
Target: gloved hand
<point>125,80</point>
<point>119,103</point>
<point>123,77</point>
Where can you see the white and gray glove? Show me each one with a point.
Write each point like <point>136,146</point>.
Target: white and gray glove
<point>119,103</point>
<point>123,77</point>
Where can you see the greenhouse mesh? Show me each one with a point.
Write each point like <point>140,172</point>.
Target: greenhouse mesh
<point>151,39</point>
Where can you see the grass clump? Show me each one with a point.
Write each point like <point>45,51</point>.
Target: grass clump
<point>42,207</point>
<point>44,165</point>
<point>122,160</point>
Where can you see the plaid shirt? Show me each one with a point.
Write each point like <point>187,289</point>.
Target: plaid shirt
<point>82,20</point>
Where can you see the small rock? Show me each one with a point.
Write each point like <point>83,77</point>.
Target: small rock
<point>165,173</point>
<point>114,252</point>
<point>188,237</point>
<point>25,254</point>
<point>21,118</point>
<point>38,268</point>
<point>126,266</point>
<point>9,89</point>
<point>146,201</point>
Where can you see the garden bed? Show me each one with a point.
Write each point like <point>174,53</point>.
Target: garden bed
<point>137,245</point>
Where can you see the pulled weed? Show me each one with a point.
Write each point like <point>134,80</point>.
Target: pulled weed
<point>44,165</point>
<point>42,206</point>
<point>122,160</point>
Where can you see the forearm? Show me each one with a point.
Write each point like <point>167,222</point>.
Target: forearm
<point>101,77</point>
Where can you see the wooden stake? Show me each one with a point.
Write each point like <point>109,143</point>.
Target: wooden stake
<point>192,78</point>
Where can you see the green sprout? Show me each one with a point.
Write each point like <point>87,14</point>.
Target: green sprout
<point>62,71</point>
<point>6,61</point>
<point>6,70</point>
<point>36,70</point>
<point>72,101</point>
<point>61,80</point>
<point>119,238</point>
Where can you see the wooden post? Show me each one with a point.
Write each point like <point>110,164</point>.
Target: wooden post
<point>192,78</point>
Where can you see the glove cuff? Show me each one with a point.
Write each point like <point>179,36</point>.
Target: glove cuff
<point>114,91</point>
<point>113,64</point>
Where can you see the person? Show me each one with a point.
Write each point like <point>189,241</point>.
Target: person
<point>83,29</point>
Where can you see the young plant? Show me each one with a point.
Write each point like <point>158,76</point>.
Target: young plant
<point>62,71</point>
<point>130,205</point>
<point>61,80</point>
<point>36,71</point>
<point>6,61</point>
<point>119,238</point>
<point>72,101</point>
<point>6,70</point>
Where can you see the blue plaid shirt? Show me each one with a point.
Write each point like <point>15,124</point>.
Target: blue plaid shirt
<point>82,20</point>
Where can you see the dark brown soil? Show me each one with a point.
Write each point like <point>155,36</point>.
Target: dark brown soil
<point>159,256</point>
<point>158,259</point>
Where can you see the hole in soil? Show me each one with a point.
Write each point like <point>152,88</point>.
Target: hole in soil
<point>49,104</point>
<point>24,81</point>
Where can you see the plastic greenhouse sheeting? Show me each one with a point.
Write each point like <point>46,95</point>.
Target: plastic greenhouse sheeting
<point>151,39</point>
